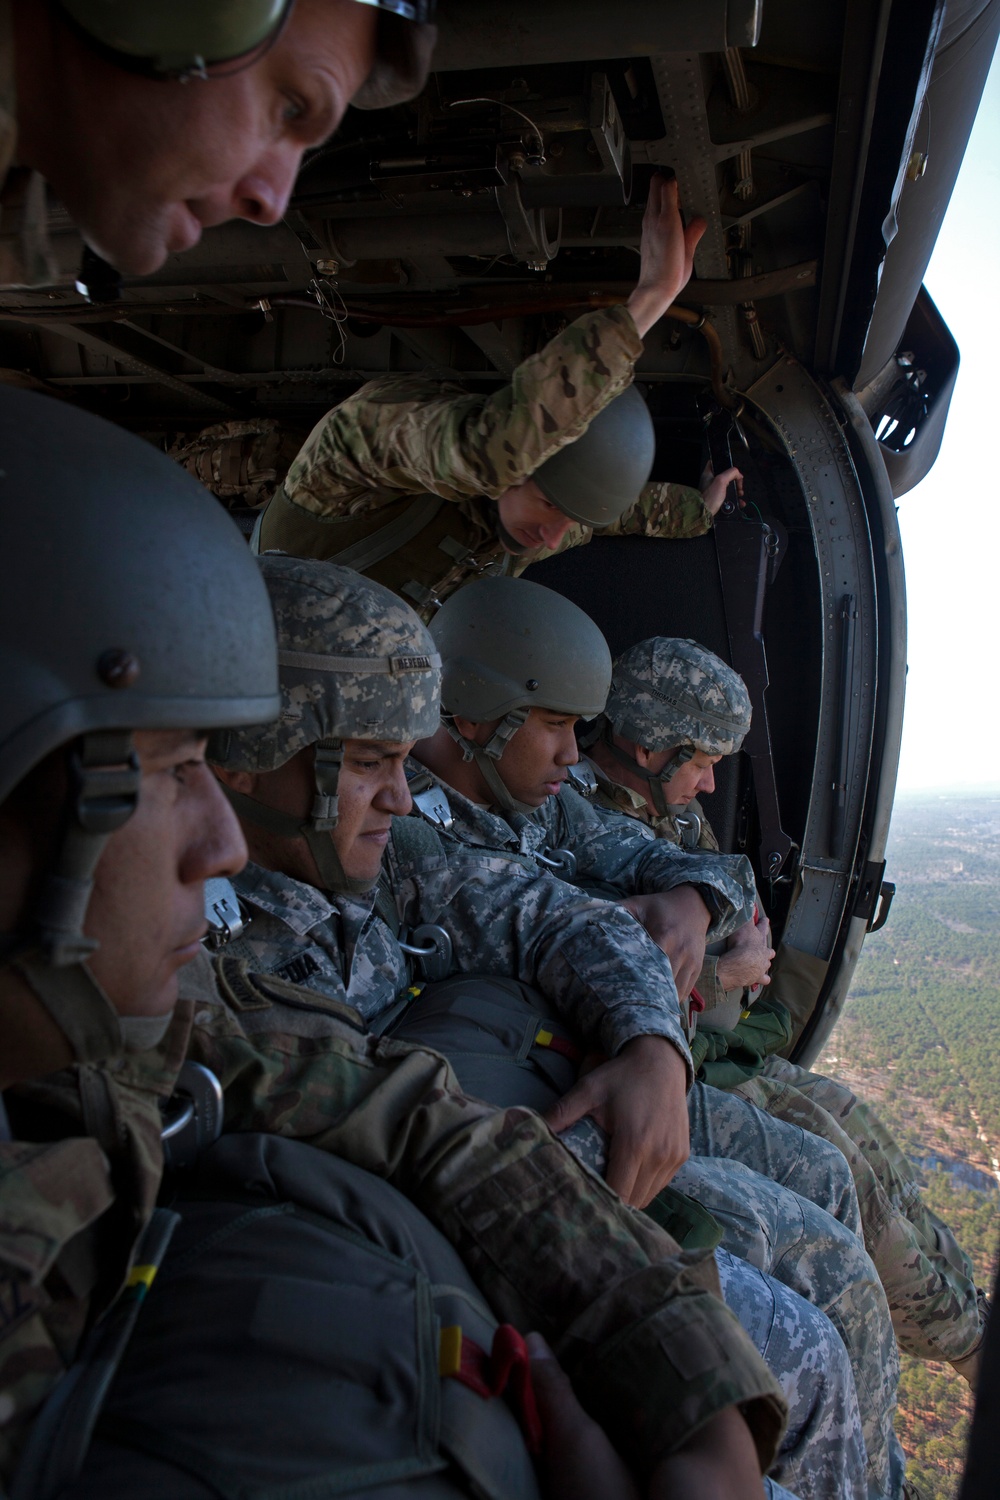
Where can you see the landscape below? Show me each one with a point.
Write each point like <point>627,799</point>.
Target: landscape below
<point>920,1038</point>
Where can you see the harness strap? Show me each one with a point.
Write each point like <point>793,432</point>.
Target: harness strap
<point>389,538</point>
<point>62,1433</point>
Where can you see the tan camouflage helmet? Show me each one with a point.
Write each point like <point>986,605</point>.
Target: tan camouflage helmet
<point>355,663</point>
<point>671,693</point>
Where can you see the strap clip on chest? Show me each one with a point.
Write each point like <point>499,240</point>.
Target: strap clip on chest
<point>192,1116</point>
<point>432,804</point>
<point>227,919</point>
<point>561,862</point>
<point>431,946</point>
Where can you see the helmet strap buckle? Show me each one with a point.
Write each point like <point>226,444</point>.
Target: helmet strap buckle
<point>329,760</point>
<point>104,792</point>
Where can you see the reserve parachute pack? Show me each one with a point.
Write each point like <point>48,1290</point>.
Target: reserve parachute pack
<point>287,1258</point>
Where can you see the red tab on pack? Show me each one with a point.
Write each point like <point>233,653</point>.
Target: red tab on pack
<point>546,1038</point>
<point>507,1368</point>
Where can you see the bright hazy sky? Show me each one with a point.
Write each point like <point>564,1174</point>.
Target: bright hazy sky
<point>951,522</point>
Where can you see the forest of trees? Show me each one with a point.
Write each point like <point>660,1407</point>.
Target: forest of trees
<point>920,1038</point>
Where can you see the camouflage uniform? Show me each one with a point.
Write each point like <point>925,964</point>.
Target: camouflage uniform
<point>404,439</point>
<point>242,461</point>
<point>928,1279</point>
<point>575,1262</point>
<point>296,928</point>
<point>480,859</point>
<point>825,1455</point>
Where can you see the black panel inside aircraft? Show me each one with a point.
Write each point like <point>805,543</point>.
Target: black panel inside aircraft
<point>635,587</point>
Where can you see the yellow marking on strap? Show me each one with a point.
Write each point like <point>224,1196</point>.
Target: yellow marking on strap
<point>450,1350</point>
<point>142,1276</point>
<point>543,1038</point>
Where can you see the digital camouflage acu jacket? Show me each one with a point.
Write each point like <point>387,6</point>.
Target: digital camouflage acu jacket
<point>651,1349</point>
<point>386,452</point>
<point>338,945</point>
<point>484,878</point>
<point>616,855</point>
<point>505,914</point>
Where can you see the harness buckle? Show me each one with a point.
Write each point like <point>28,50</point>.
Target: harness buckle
<point>561,862</point>
<point>431,946</point>
<point>192,1116</point>
<point>227,918</point>
<point>582,779</point>
<point>432,803</point>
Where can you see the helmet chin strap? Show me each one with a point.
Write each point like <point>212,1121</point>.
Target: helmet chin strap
<point>317,828</point>
<point>657,781</point>
<point>104,778</point>
<point>486,757</point>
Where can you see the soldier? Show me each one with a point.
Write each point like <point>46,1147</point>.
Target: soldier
<point>134,620</point>
<point>317,917</point>
<point>423,486</point>
<point>152,122</point>
<point>675,710</point>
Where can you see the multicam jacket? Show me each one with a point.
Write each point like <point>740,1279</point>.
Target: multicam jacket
<point>433,458</point>
<point>652,1350</point>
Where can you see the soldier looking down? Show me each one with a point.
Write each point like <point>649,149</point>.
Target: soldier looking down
<point>674,711</point>
<point>513,930</point>
<point>423,487</point>
<point>512,655</point>
<point>111,824</point>
<point>154,121</point>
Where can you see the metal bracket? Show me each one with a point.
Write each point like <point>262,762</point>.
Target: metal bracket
<point>582,779</point>
<point>432,803</point>
<point>874,896</point>
<point>192,1116</point>
<point>533,234</point>
<point>431,946</point>
<point>227,919</point>
<point>561,861</point>
<point>608,131</point>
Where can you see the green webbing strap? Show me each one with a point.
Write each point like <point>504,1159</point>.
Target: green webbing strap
<point>385,906</point>
<point>364,554</point>
<point>691,1225</point>
<point>61,1435</point>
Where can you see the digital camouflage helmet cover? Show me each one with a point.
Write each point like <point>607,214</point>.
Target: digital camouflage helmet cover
<point>670,693</point>
<point>356,663</point>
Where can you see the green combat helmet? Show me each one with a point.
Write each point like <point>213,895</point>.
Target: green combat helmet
<point>355,664</point>
<point>128,601</point>
<point>183,38</point>
<point>508,646</point>
<point>672,694</point>
<point>600,476</point>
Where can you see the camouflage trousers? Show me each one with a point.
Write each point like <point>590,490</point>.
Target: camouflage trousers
<point>785,1202</point>
<point>928,1279</point>
<point>822,1456</point>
